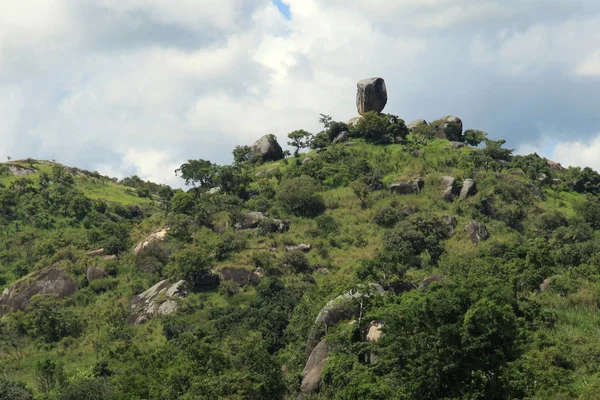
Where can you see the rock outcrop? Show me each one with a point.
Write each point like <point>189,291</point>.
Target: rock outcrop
<point>253,219</point>
<point>416,125</point>
<point>449,127</point>
<point>406,187</point>
<point>95,253</point>
<point>49,281</point>
<point>268,148</point>
<point>267,172</point>
<point>160,235</point>
<point>354,121</point>
<point>342,137</point>
<point>303,247</point>
<point>135,211</point>
<point>19,170</point>
<point>449,190</point>
<point>556,166</point>
<point>469,188</point>
<point>95,273</point>
<point>457,145</point>
<point>451,222</point>
<point>311,382</point>
<point>345,306</point>
<point>240,276</point>
<point>477,231</point>
<point>418,185</point>
<point>371,95</point>
<point>160,299</point>
<point>429,280</point>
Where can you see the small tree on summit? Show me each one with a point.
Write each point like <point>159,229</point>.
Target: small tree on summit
<point>300,139</point>
<point>196,172</point>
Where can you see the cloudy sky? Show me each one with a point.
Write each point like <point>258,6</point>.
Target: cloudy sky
<point>140,86</point>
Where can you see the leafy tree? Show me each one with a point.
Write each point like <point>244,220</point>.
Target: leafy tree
<point>88,388</point>
<point>10,390</point>
<point>45,375</point>
<point>299,139</point>
<point>493,148</point>
<point>48,320</point>
<point>197,172</point>
<point>380,129</point>
<point>294,261</point>
<point>474,137</point>
<point>362,191</point>
<point>165,194</point>
<point>242,154</point>
<point>193,265</point>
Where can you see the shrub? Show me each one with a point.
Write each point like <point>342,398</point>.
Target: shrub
<point>380,129</point>
<point>47,320</point>
<point>299,196</point>
<point>295,261</point>
<point>229,243</point>
<point>327,225</point>
<point>193,265</point>
<point>104,285</point>
<point>10,390</point>
<point>228,288</point>
<point>388,216</point>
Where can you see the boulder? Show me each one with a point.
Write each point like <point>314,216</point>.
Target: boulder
<point>95,273</point>
<point>451,222</point>
<point>305,248</point>
<point>457,145</point>
<point>342,137</point>
<point>135,211</point>
<point>267,172</point>
<point>95,253</point>
<point>311,382</point>
<point>159,300</point>
<point>160,235</point>
<point>354,121</point>
<point>416,124</point>
<point>402,188</point>
<point>449,190</point>
<point>49,281</point>
<point>418,185</point>
<point>503,163</point>
<point>240,276</point>
<point>517,172</point>
<point>429,280</point>
<point>343,307</point>
<point>350,144</point>
<point>469,189</point>
<point>213,191</point>
<point>268,148</point>
<point>402,287</point>
<point>556,166</point>
<point>449,127</point>
<point>111,257</point>
<point>322,271</point>
<point>307,159</point>
<point>545,285</point>
<point>477,231</point>
<point>253,219</point>
<point>371,95</point>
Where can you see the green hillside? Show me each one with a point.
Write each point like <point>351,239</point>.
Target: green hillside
<point>393,264</point>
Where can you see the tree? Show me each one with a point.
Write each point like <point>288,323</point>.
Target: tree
<point>493,148</point>
<point>362,191</point>
<point>474,137</point>
<point>193,265</point>
<point>165,194</point>
<point>299,196</point>
<point>242,154</point>
<point>197,172</point>
<point>299,139</point>
<point>14,390</point>
<point>45,375</point>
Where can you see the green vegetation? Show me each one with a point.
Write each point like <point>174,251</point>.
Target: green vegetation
<point>282,257</point>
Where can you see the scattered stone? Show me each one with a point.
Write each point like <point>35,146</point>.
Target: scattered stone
<point>322,271</point>
<point>213,191</point>
<point>457,145</point>
<point>111,257</point>
<point>545,285</point>
<point>305,248</point>
<point>449,189</point>
<point>311,382</point>
<point>477,231</point>
<point>253,219</point>
<point>95,253</point>
<point>49,281</point>
<point>240,276</point>
<point>450,128</point>
<point>416,124</point>
<point>159,300</point>
<point>342,137</point>
<point>418,185</point>
<point>135,211</point>
<point>95,273</point>
<point>429,280</point>
<point>542,177</point>
<point>402,188</point>
<point>451,222</point>
<point>371,95</point>
<point>160,235</point>
<point>268,148</point>
<point>416,153</point>
<point>469,189</point>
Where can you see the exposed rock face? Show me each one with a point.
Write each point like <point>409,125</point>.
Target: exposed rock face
<point>416,124</point>
<point>457,145</point>
<point>19,170</point>
<point>305,248</point>
<point>469,189</point>
<point>477,231</point>
<point>345,306</point>
<point>354,121</point>
<point>159,300</point>
<point>240,276</point>
<point>49,281</point>
<point>95,253</point>
<point>268,148</point>
<point>342,137</point>
<point>253,219</point>
<point>95,273</point>
<point>160,235</point>
<point>418,185</point>
<point>429,280</point>
<point>402,188</point>
<point>449,189</point>
<point>371,95</point>
<point>556,166</point>
<point>450,128</point>
<point>311,383</point>
<point>451,222</point>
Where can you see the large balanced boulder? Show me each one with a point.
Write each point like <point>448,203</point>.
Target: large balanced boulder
<point>477,231</point>
<point>449,127</point>
<point>371,95</point>
<point>268,148</point>
<point>156,236</point>
<point>311,382</point>
<point>346,306</point>
<point>49,281</point>
<point>160,299</point>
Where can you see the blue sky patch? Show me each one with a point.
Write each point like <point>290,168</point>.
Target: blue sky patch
<point>283,8</point>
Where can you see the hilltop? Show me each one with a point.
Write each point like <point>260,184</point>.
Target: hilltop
<point>388,261</point>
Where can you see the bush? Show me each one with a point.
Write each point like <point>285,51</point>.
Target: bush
<point>87,388</point>
<point>380,129</point>
<point>14,390</point>
<point>229,243</point>
<point>104,285</point>
<point>327,225</point>
<point>48,320</point>
<point>153,258</point>
<point>193,265</point>
<point>299,197</point>
<point>295,261</point>
<point>229,288</point>
<point>388,216</point>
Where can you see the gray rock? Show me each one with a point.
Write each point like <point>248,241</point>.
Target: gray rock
<point>305,248</point>
<point>477,231</point>
<point>342,137</point>
<point>156,236</point>
<point>49,281</point>
<point>457,145</point>
<point>503,163</point>
<point>345,306</point>
<point>556,166</point>
<point>350,144</point>
<point>253,219</point>
<point>418,185</point>
<point>19,170</point>
<point>307,159</point>
<point>371,95</point>
<point>416,124</point>
<point>95,273</point>
<point>450,128</point>
<point>517,172</point>
<point>469,189</point>
<point>311,382</point>
<point>322,271</point>
<point>135,211</point>
<point>545,285</point>
<point>449,190</point>
<point>450,221</point>
<point>402,188</point>
<point>240,276</point>
<point>213,191</point>
<point>159,300</point>
<point>268,148</point>
<point>542,177</point>
<point>95,253</point>
<point>408,211</point>
<point>354,121</point>
<point>429,280</point>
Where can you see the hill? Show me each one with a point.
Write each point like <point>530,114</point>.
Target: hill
<point>388,262</point>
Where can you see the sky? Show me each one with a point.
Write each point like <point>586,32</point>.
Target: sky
<point>140,86</point>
